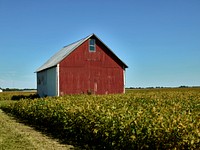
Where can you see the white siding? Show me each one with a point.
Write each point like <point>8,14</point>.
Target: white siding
<point>58,80</point>
<point>47,82</point>
<point>124,74</point>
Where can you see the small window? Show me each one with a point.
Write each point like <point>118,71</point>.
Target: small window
<point>92,45</point>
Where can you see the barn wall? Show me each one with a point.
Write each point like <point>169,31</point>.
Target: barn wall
<point>47,82</point>
<point>41,83</point>
<point>97,72</point>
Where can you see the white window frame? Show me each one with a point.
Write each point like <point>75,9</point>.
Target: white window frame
<point>94,46</point>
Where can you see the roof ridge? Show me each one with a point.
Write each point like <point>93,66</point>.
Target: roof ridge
<point>66,50</point>
<point>77,41</point>
<point>61,54</point>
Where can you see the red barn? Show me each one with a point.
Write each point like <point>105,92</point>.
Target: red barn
<point>86,66</point>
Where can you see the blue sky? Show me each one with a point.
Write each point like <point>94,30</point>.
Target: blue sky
<point>159,39</point>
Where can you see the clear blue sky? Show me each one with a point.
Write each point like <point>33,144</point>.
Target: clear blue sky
<point>158,39</point>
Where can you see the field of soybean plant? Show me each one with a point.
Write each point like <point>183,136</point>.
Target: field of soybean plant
<point>139,119</point>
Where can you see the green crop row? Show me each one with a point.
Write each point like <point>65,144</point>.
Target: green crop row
<point>137,120</point>
<point>17,95</point>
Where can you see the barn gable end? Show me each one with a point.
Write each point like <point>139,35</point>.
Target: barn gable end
<point>86,66</point>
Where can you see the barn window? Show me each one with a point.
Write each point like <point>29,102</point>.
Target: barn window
<point>92,45</point>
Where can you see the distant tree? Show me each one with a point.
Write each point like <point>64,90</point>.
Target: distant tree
<point>183,86</point>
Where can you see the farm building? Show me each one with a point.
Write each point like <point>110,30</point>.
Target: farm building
<point>86,66</point>
<point>1,90</point>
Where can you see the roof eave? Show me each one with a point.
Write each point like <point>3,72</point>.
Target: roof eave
<point>46,65</point>
<point>125,66</point>
<point>43,67</point>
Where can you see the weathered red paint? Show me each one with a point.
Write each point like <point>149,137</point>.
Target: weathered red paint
<point>98,72</point>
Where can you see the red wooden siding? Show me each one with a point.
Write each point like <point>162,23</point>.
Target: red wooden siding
<point>97,72</point>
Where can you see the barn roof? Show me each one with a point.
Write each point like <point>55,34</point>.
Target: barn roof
<point>65,51</point>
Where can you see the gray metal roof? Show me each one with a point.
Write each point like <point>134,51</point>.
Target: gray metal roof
<point>65,51</point>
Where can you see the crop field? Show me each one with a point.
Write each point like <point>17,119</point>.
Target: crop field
<point>139,119</point>
<point>15,135</point>
<point>16,95</point>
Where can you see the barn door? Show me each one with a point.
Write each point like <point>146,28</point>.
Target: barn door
<point>93,84</point>
<point>94,79</point>
<point>95,87</point>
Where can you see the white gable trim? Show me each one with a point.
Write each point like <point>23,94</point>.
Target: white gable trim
<point>58,80</point>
